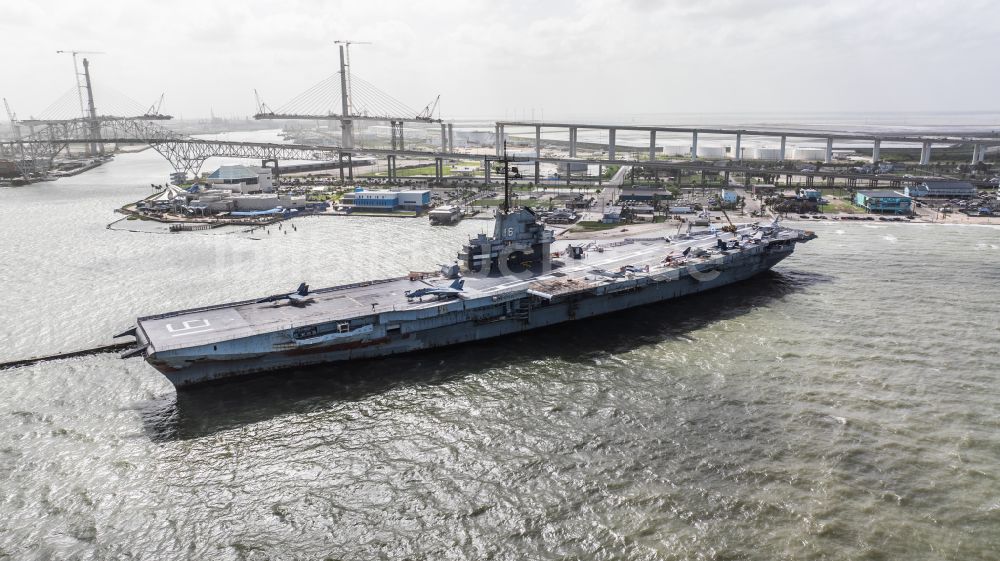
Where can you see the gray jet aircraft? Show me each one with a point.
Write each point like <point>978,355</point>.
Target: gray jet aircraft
<point>298,298</point>
<point>440,292</point>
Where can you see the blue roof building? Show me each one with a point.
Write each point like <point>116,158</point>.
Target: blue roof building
<point>388,200</point>
<point>883,202</point>
<point>810,194</point>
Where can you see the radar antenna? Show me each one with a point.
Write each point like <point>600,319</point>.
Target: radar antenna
<point>506,160</point>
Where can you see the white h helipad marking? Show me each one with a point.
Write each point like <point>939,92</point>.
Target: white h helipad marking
<point>190,327</point>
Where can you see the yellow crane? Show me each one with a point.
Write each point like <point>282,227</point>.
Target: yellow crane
<point>731,228</point>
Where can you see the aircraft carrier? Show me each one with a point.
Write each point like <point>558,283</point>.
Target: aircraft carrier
<point>518,279</point>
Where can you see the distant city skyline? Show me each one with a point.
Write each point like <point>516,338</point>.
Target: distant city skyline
<point>518,60</point>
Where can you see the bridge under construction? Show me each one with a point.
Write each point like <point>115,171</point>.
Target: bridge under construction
<point>347,99</point>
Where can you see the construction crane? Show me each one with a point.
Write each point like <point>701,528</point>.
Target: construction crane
<point>731,228</point>
<point>154,109</point>
<point>347,68</point>
<point>13,121</point>
<point>428,112</point>
<point>262,107</point>
<point>80,82</point>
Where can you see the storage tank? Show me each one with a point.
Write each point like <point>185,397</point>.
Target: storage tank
<point>767,153</point>
<point>810,154</point>
<point>711,152</point>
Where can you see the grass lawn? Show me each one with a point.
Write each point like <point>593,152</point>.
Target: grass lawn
<point>591,226</point>
<point>838,205</point>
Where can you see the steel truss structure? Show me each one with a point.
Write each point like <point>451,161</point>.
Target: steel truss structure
<point>34,153</point>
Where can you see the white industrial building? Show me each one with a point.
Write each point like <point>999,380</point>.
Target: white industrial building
<point>711,152</point>
<point>767,154</point>
<point>677,150</point>
<point>810,154</point>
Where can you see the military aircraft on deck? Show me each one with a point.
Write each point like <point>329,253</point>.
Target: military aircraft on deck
<point>300,297</point>
<point>440,292</point>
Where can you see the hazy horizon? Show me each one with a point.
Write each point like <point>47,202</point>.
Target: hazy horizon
<point>520,61</point>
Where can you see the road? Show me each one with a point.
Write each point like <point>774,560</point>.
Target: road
<point>608,195</point>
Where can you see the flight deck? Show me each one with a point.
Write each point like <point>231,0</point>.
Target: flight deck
<point>212,324</point>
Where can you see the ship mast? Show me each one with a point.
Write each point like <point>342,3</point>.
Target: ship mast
<point>506,180</point>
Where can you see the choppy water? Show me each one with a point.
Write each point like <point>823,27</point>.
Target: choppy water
<point>843,407</point>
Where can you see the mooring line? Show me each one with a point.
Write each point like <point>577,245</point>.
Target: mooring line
<point>114,347</point>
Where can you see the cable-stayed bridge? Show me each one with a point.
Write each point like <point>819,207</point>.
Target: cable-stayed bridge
<point>342,97</point>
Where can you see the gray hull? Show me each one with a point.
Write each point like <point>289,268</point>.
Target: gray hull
<point>449,326</point>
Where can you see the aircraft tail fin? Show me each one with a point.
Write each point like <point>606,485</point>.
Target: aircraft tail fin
<point>458,284</point>
<point>303,289</point>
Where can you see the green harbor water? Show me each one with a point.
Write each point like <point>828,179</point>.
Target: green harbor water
<point>844,406</point>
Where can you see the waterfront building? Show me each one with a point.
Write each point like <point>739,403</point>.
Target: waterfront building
<point>388,200</point>
<point>243,179</point>
<point>943,189</point>
<point>883,202</point>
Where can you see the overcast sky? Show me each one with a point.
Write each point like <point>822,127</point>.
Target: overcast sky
<point>505,59</point>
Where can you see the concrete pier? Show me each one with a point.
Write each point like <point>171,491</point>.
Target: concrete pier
<point>444,138</point>
<point>781,152</point>
<point>611,144</point>
<point>652,145</point>
<point>738,155</point>
<point>694,145</point>
<point>976,149</point>
<point>451,138</point>
<point>876,147</point>
<point>572,142</point>
<point>829,151</point>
